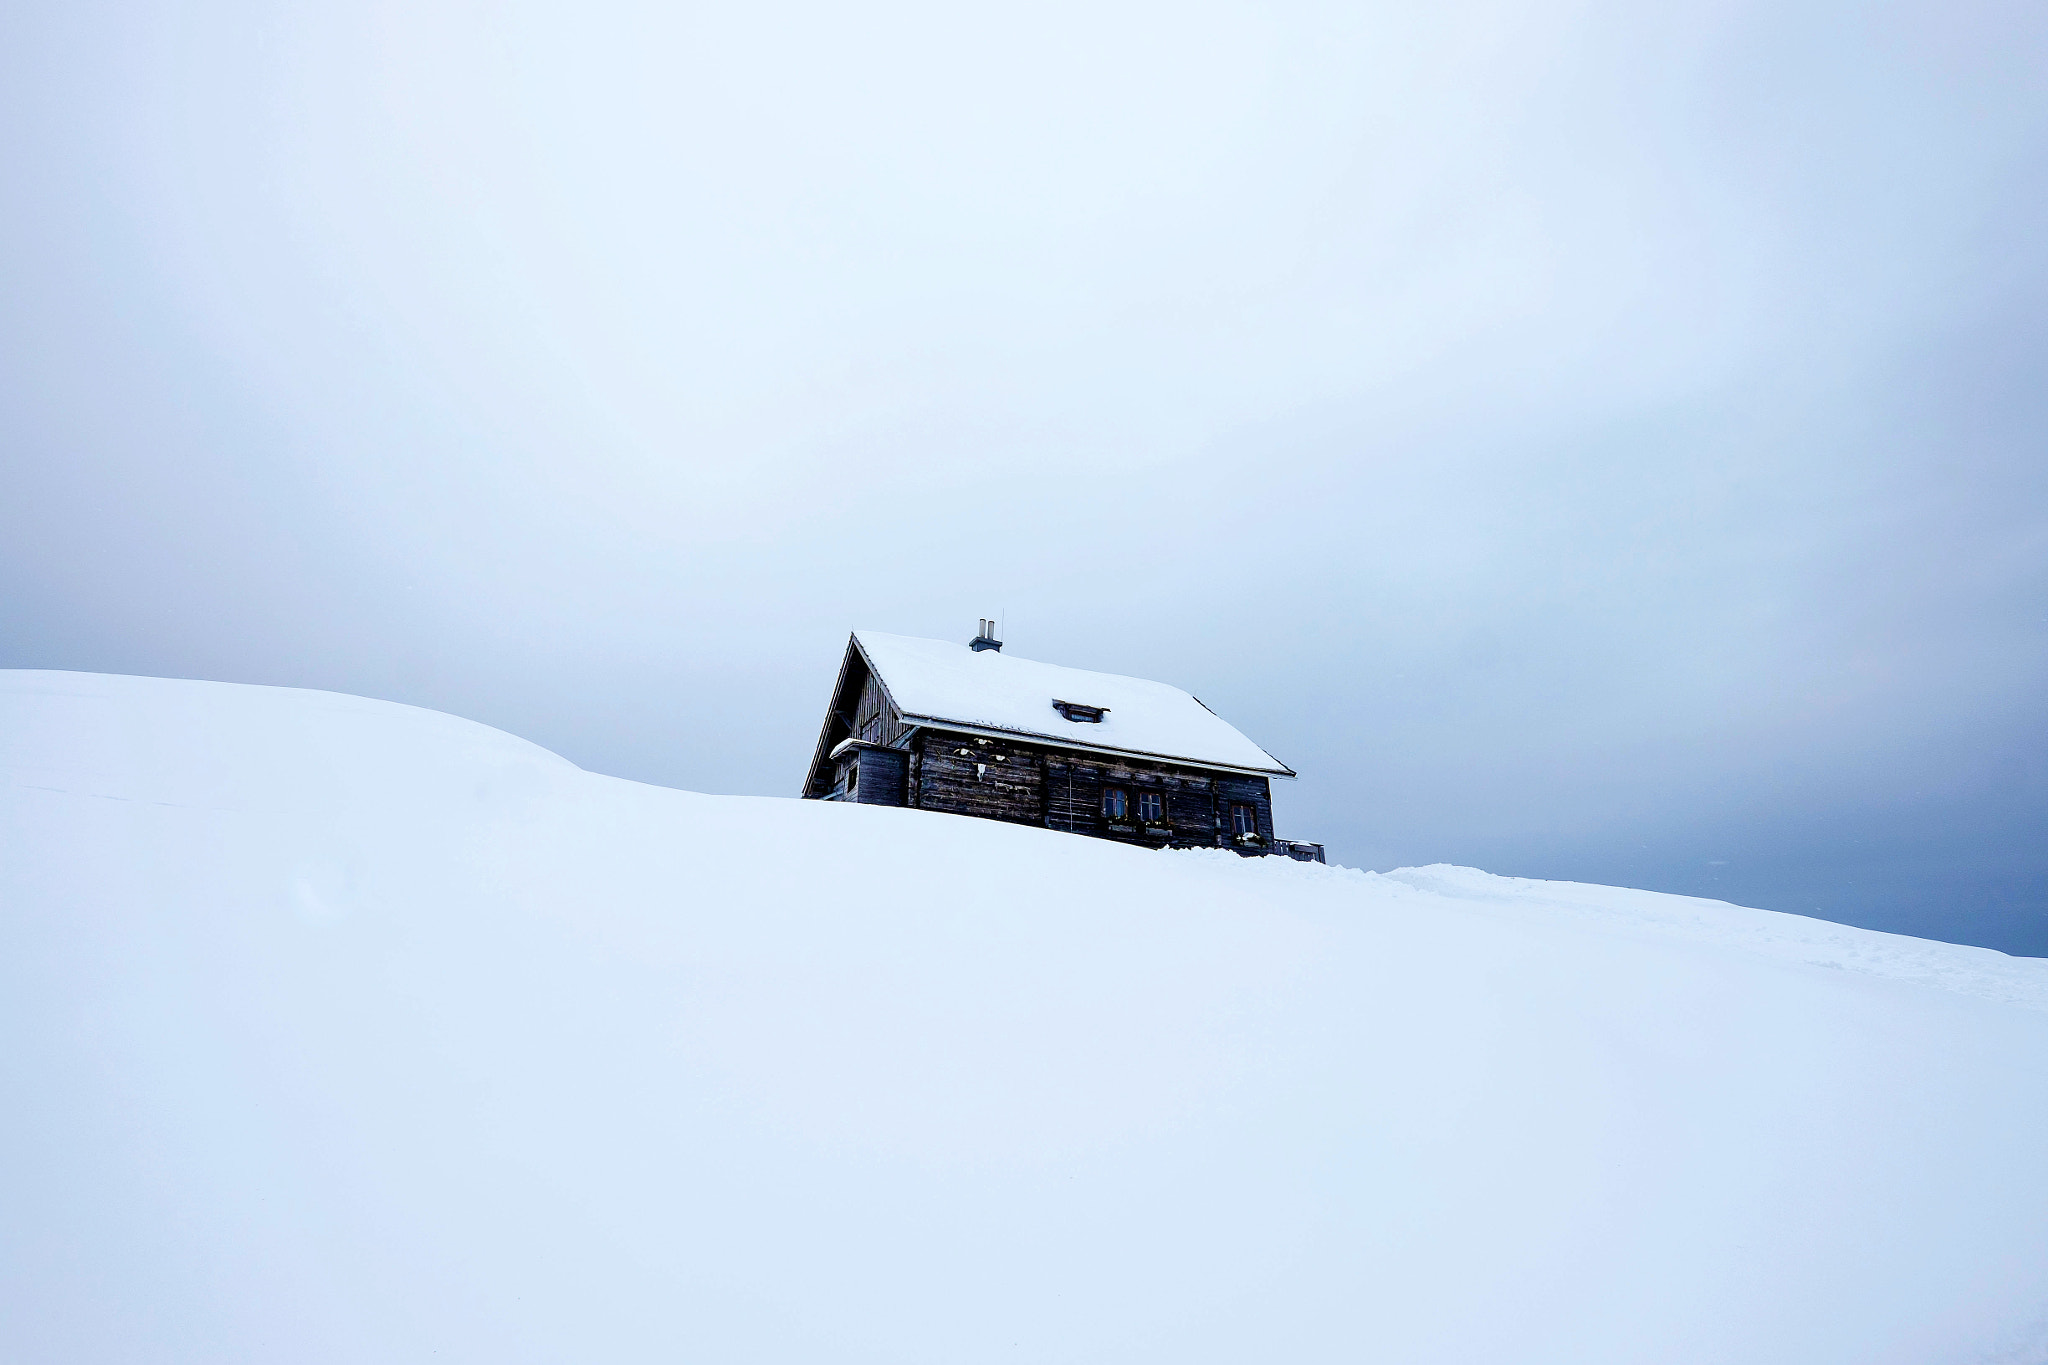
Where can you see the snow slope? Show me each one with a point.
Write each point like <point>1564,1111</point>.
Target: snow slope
<point>340,1031</point>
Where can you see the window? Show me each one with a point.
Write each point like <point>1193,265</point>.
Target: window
<point>871,728</point>
<point>852,776</point>
<point>1116,803</point>
<point>1244,820</point>
<point>1079,713</point>
<point>1151,807</point>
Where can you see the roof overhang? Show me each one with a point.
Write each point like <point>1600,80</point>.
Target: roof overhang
<point>847,746</point>
<point>1108,750</point>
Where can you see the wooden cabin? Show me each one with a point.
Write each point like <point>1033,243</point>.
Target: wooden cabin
<point>969,730</point>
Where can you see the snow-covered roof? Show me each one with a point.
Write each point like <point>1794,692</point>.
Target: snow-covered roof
<point>939,682</point>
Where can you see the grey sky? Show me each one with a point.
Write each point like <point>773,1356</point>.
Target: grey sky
<point>1587,441</point>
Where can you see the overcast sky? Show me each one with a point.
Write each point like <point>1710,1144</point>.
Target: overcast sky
<point>1590,441</point>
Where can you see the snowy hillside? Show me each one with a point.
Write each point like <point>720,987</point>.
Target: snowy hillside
<point>341,1031</point>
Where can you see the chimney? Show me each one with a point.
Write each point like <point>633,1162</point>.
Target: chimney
<point>986,639</point>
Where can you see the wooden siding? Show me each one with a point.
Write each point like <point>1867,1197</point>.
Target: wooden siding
<point>858,704</point>
<point>980,776</point>
<point>1255,792</point>
<point>882,773</point>
<point>1058,789</point>
<point>874,720</point>
<point>1075,788</point>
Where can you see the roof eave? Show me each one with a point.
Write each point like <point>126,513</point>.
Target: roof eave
<point>1278,769</point>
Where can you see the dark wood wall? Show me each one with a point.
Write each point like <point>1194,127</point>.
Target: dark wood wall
<point>1030,784</point>
<point>883,777</point>
<point>860,709</point>
<point>1256,792</point>
<point>874,720</point>
<point>975,775</point>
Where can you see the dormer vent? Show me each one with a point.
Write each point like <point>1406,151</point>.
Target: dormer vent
<point>1076,712</point>
<point>986,639</point>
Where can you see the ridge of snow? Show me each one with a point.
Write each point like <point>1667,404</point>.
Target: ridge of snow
<point>1982,972</point>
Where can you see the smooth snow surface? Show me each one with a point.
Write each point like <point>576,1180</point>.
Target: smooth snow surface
<point>341,1031</point>
<point>935,680</point>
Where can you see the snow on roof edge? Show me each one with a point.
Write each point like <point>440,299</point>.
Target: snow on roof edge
<point>1062,742</point>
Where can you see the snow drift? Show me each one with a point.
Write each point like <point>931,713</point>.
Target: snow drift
<point>341,1031</point>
